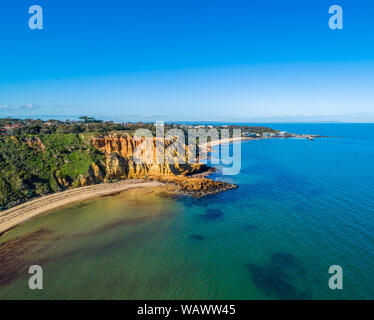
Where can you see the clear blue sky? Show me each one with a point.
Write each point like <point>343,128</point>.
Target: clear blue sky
<point>187,59</point>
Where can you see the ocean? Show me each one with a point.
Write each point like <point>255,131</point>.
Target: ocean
<point>301,207</point>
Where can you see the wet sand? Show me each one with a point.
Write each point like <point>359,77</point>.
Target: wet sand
<point>23,212</point>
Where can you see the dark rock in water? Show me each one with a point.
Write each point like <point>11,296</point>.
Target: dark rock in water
<point>271,281</point>
<point>196,187</point>
<point>283,259</point>
<point>169,195</point>
<point>197,237</point>
<point>278,275</point>
<point>303,296</point>
<point>287,262</point>
<point>15,254</point>
<point>204,202</point>
<point>250,227</point>
<point>212,214</point>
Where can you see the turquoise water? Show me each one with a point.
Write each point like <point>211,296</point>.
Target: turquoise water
<point>301,206</point>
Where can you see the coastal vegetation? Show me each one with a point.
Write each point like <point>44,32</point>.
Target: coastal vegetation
<point>41,164</point>
<point>21,127</point>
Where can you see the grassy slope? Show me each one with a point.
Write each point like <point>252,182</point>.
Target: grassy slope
<point>27,171</point>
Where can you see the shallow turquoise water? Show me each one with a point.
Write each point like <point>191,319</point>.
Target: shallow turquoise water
<point>301,206</point>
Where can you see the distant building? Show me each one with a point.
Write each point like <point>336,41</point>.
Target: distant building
<point>282,133</point>
<point>9,127</point>
<point>267,134</point>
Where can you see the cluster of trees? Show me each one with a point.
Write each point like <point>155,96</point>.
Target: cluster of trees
<point>85,124</point>
<point>19,127</point>
<point>254,129</point>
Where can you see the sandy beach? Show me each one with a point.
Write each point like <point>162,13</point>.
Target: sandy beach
<point>222,141</point>
<point>207,147</point>
<point>23,212</point>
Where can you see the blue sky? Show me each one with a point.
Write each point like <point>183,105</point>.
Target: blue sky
<point>188,60</point>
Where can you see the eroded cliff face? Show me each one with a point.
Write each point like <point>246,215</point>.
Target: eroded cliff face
<point>128,158</point>
<point>149,158</point>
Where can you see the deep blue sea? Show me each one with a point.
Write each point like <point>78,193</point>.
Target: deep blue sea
<point>301,207</point>
<point>312,201</point>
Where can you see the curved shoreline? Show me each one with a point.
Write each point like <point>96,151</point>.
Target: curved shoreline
<point>206,148</point>
<point>16,215</point>
<point>25,211</point>
<point>228,140</point>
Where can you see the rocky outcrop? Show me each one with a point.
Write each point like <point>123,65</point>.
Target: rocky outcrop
<point>116,166</point>
<point>62,181</point>
<point>95,175</point>
<point>35,143</point>
<point>197,187</point>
